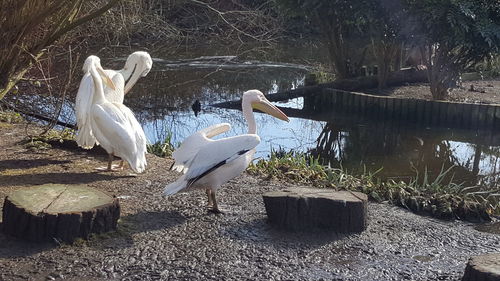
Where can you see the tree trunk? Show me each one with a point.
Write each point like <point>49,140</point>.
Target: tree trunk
<point>483,268</point>
<point>10,82</point>
<point>337,50</point>
<point>61,212</point>
<point>438,90</point>
<point>443,75</point>
<point>385,53</point>
<point>308,209</point>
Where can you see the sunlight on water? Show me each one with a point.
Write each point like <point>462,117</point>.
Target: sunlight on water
<point>162,103</point>
<point>298,134</point>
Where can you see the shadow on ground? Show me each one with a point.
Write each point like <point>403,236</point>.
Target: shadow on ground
<point>59,178</point>
<point>260,231</point>
<point>11,247</point>
<point>27,164</point>
<point>137,223</point>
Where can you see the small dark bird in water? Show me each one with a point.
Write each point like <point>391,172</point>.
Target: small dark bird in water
<point>196,107</point>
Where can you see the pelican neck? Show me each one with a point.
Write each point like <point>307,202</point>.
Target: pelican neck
<point>249,117</point>
<point>98,86</point>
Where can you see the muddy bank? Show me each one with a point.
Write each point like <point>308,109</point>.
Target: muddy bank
<point>176,238</point>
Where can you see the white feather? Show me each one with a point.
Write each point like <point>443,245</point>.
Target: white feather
<point>185,153</point>
<point>84,136</point>
<point>211,154</point>
<point>115,127</point>
<point>116,132</point>
<point>139,62</point>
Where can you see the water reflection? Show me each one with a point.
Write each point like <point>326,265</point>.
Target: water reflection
<point>164,99</point>
<point>403,151</point>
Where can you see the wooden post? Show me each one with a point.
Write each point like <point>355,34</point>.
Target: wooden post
<point>485,267</point>
<point>61,212</point>
<point>307,209</point>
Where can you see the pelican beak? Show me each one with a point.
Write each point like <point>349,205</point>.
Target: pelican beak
<point>106,79</point>
<point>267,107</point>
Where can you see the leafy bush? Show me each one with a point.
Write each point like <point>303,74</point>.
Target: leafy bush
<point>455,35</point>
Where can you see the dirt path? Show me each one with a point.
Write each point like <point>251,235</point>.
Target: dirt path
<point>176,239</point>
<point>478,91</point>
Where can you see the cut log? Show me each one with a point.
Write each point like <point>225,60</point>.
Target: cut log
<point>484,267</point>
<point>300,209</point>
<point>61,212</point>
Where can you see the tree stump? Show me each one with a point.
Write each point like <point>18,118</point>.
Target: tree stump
<point>484,267</point>
<point>301,209</point>
<point>63,212</point>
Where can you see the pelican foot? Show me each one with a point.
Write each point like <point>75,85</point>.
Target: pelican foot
<point>216,211</point>
<point>114,168</point>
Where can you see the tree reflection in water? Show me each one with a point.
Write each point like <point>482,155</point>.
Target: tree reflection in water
<point>402,152</point>
<point>162,102</point>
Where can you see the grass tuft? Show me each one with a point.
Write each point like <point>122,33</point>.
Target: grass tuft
<point>11,117</point>
<point>445,200</point>
<point>45,140</point>
<point>163,148</point>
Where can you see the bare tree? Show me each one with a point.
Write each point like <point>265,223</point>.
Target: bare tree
<point>29,27</point>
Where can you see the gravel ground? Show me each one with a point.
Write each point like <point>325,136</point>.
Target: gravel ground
<point>176,238</point>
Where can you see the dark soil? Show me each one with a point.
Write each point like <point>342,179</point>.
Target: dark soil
<point>176,238</point>
<point>480,91</point>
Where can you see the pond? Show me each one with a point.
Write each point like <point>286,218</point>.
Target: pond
<point>209,74</point>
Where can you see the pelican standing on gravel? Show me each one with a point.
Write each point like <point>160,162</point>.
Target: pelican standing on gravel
<point>113,124</point>
<point>138,65</point>
<point>207,163</point>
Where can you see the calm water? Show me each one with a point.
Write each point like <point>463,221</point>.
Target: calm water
<point>180,76</point>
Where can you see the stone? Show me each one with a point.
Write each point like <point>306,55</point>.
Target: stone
<point>484,267</point>
<point>302,209</point>
<point>61,212</point>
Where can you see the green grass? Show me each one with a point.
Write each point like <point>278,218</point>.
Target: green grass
<point>162,148</point>
<point>10,117</point>
<point>42,142</point>
<point>436,197</point>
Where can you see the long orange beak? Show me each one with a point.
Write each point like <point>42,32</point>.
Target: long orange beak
<point>106,79</point>
<point>267,107</point>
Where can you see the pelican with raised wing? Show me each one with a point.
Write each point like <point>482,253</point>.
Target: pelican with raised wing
<point>113,124</point>
<point>207,163</point>
<point>138,65</point>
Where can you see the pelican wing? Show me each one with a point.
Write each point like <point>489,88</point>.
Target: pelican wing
<point>211,156</point>
<point>117,135</point>
<point>140,137</point>
<point>85,138</point>
<point>191,145</point>
<point>116,95</point>
<point>218,153</point>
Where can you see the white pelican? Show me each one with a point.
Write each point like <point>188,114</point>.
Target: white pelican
<point>113,124</point>
<point>208,163</point>
<point>138,65</point>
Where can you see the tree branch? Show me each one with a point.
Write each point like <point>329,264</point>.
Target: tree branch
<point>81,20</point>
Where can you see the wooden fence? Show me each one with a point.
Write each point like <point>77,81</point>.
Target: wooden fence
<point>424,112</point>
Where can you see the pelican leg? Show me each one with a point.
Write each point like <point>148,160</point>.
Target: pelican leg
<point>209,193</point>
<point>110,166</point>
<point>215,207</point>
<point>122,165</point>
<point>110,162</point>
